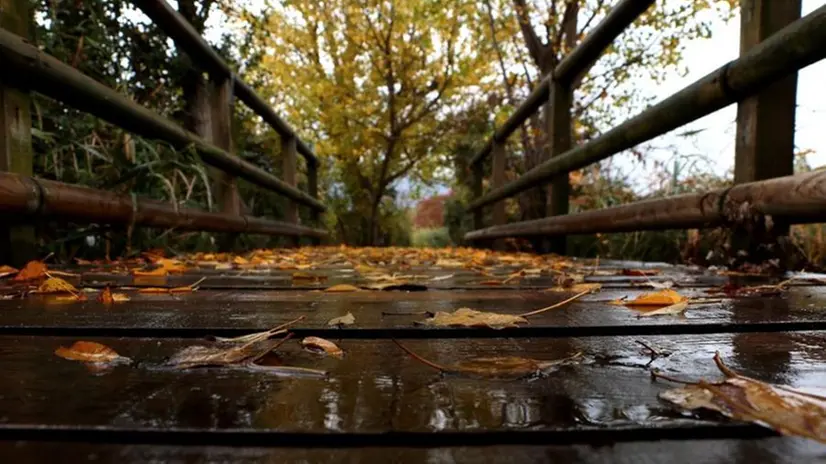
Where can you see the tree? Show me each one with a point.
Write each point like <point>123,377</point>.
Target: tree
<point>376,84</point>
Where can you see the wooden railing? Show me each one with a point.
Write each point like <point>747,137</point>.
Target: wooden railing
<point>24,68</point>
<point>775,44</point>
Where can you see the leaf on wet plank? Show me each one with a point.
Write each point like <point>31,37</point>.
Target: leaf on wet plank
<point>320,345</point>
<point>90,352</point>
<point>639,272</point>
<point>33,270</point>
<point>164,267</point>
<point>784,409</point>
<point>342,288</point>
<point>498,367</point>
<point>6,271</point>
<point>243,339</point>
<point>735,291</point>
<point>577,288</point>
<point>466,317</point>
<point>662,298</point>
<point>108,297</point>
<point>347,319</point>
<point>216,356</point>
<point>676,308</point>
<point>56,285</point>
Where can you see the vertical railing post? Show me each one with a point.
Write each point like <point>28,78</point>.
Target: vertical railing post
<point>558,120</point>
<point>764,146</point>
<point>17,242</point>
<point>289,155</point>
<point>477,176</point>
<point>497,181</point>
<point>226,189</point>
<point>312,190</point>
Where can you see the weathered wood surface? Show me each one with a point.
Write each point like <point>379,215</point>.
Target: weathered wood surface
<point>377,388</point>
<point>768,451</point>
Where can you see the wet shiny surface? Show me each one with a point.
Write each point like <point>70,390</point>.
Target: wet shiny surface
<point>377,387</point>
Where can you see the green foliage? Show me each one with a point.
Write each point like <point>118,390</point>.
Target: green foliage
<point>432,238</point>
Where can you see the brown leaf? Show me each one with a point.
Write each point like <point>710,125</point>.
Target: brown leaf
<point>342,288</point>
<point>6,271</point>
<point>107,297</point>
<point>786,410</point>
<point>90,352</point>
<point>320,345</point>
<point>676,308</point>
<point>498,367</point>
<point>656,299</point>
<point>205,356</point>
<point>347,319</point>
<point>466,317</point>
<point>32,270</point>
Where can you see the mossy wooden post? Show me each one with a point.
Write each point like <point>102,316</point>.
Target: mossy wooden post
<point>764,146</point>
<point>558,120</point>
<point>497,181</point>
<point>17,242</point>
<point>312,190</point>
<point>289,155</point>
<point>226,189</point>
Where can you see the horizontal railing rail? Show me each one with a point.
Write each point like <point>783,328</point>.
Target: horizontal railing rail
<point>794,45</point>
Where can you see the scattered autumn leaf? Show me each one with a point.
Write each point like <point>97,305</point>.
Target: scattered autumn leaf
<point>498,367</point>
<point>206,356</point>
<point>6,271</point>
<point>342,288</point>
<point>244,339</point>
<point>786,410</point>
<point>32,270</point>
<point>320,345</point>
<point>665,297</point>
<point>639,272</point>
<point>108,297</point>
<point>56,285</point>
<point>306,276</point>
<point>90,352</point>
<point>676,308</point>
<point>347,319</point>
<point>734,291</point>
<point>466,317</point>
<point>577,288</point>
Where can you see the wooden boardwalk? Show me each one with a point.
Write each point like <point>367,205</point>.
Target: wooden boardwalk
<point>377,404</point>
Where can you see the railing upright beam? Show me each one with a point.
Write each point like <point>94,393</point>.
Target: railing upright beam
<point>498,180</point>
<point>289,153</point>
<point>17,241</point>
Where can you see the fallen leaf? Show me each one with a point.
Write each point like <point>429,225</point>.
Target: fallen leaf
<point>320,345</point>
<point>56,285</point>
<point>107,297</point>
<point>577,288</point>
<point>165,267</point>
<point>342,288</point>
<point>662,298</point>
<point>347,319</point>
<point>676,308</point>
<point>639,272</point>
<point>32,270</point>
<point>735,291</point>
<point>206,356</point>
<point>244,339</point>
<point>306,276</point>
<point>466,317</point>
<point>90,352</point>
<point>786,410</point>
<point>498,367</point>
<point>6,271</point>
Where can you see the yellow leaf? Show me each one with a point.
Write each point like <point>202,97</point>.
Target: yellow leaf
<point>321,345</point>
<point>466,317</point>
<point>676,308</point>
<point>89,352</point>
<point>32,270</point>
<point>342,288</point>
<point>56,285</point>
<point>665,297</point>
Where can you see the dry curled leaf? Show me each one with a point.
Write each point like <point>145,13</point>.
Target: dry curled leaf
<point>90,352</point>
<point>6,271</point>
<point>56,285</point>
<point>206,356</point>
<point>498,367</point>
<point>786,410</point>
<point>32,270</point>
<point>347,319</point>
<point>320,345</point>
<point>466,317</point>
<point>342,288</point>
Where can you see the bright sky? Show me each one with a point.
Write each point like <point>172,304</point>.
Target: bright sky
<point>717,139</point>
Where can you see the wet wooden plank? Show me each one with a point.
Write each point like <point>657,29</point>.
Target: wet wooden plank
<point>768,451</point>
<point>377,389</point>
<point>385,314</point>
